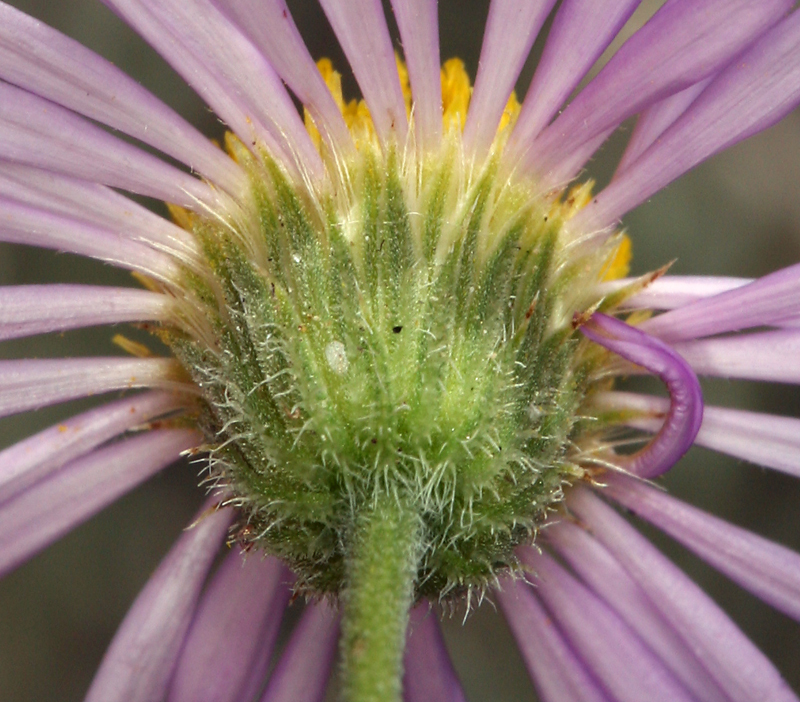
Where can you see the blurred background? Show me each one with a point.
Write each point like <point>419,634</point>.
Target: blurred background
<point>738,214</point>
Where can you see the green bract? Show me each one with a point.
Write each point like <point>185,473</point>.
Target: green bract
<point>404,335</point>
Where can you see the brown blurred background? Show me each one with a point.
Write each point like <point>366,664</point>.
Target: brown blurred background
<point>739,214</point>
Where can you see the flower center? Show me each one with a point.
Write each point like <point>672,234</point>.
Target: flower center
<point>401,332</point>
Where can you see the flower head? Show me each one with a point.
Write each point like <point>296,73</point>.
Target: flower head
<point>396,326</point>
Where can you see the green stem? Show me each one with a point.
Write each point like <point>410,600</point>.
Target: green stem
<point>381,571</point>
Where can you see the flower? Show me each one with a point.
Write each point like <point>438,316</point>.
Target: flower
<point>397,341</point>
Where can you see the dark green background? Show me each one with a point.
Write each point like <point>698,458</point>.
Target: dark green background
<point>739,214</point>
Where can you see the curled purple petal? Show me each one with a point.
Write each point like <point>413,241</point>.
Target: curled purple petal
<point>45,512</point>
<point>685,413</point>
<point>304,668</point>
<point>361,29</point>
<point>767,440</point>
<point>429,673</point>
<point>139,662</point>
<point>32,459</point>
<point>511,28</point>
<point>558,673</point>
<point>739,668</point>
<point>233,632</point>
<point>614,653</point>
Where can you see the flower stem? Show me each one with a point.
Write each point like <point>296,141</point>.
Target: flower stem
<point>381,571</point>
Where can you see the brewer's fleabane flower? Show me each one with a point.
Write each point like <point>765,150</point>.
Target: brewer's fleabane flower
<point>396,325</point>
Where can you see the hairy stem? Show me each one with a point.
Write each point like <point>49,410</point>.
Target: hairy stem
<point>381,570</point>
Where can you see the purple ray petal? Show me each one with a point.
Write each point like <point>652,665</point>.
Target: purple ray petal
<point>429,673</point>
<point>735,663</point>
<point>610,581</point>
<point>233,631</point>
<point>614,653</point>
<point>763,302</point>
<point>270,26</point>
<point>418,22</point>
<point>138,664</point>
<point>22,224</point>
<point>360,27</point>
<point>304,667</point>
<point>511,28</point>
<point>30,460</point>
<point>764,439</point>
<point>686,407</point>
<point>39,133</point>
<point>44,61</point>
<point>557,672</point>
<point>772,356</point>
<point>768,570</point>
<point>94,204</point>
<point>31,384</point>
<point>26,310</point>
<point>683,43</point>
<point>48,510</point>
<point>227,71</point>
<point>673,291</point>
<point>753,93</point>
<point>581,31</point>
<point>655,120</point>
<point>559,175</point>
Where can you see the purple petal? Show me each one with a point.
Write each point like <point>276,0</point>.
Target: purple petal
<point>47,63</point>
<point>764,439</point>
<point>233,631</point>
<point>609,580</point>
<point>557,672</point>
<point>742,671</point>
<point>616,656</point>
<point>26,310</point>
<point>655,120</point>
<point>772,356</point>
<point>304,668</point>
<point>511,28</point>
<point>50,509</point>
<point>360,27</point>
<point>418,22</point>
<point>138,664</point>
<point>22,224</point>
<point>686,398</point>
<point>31,384</point>
<point>270,26</point>
<point>673,291</point>
<point>227,71</point>
<point>581,31</point>
<point>93,204</point>
<point>39,133</point>
<point>429,673</point>
<point>32,459</point>
<point>768,570</point>
<point>753,93</point>
<point>683,43</point>
<point>763,302</point>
